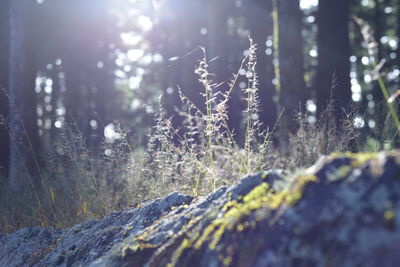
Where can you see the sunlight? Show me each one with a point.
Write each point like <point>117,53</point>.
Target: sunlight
<point>111,133</point>
<point>145,23</point>
<point>306,4</point>
<point>130,38</point>
<point>135,54</point>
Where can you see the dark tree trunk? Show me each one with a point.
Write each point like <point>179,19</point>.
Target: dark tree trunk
<point>88,86</point>
<point>332,78</point>
<point>101,79</point>
<point>260,25</point>
<point>4,57</point>
<point>218,42</point>
<point>379,24</point>
<point>398,35</point>
<point>173,69</point>
<point>293,93</point>
<point>55,99</point>
<point>76,91</point>
<point>24,142</point>
<point>217,38</point>
<point>378,27</point>
<point>76,62</point>
<point>193,13</point>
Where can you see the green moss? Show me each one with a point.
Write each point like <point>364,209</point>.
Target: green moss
<point>257,193</point>
<point>389,215</point>
<point>227,261</point>
<point>358,159</point>
<point>264,175</point>
<point>340,173</point>
<point>207,232</point>
<point>126,231</point>
<point>186,243</point>
<point>211,228</point>
<point>129,250</point>
<point>262,196</point>
<point>389,219</point>
<point>234,215</point>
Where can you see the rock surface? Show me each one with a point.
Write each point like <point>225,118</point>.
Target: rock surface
<point>343,211</point>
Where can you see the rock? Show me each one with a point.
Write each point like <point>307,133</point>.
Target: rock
<point>26,246</point>
<point>343,211</point>
<point>83,243</point>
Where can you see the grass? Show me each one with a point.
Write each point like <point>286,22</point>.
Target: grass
<point>371,44</point>
<point>206,151</point>
<point>200,156</point>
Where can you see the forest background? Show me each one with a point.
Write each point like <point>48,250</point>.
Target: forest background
<point>108,103</point>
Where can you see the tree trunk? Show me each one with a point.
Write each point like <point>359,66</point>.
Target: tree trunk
<point>88,87</point>
<point>260,25</point>
<point>218,43</point>
<point>4,52</point>
<point>24,140</point>
<point>379,29</point>
<point>332,78</point>
<point>76,60</point>
<point>398,35</point>
<point>293,88</point>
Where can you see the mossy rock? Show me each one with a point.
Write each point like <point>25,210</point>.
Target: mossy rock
<point>342,211</point>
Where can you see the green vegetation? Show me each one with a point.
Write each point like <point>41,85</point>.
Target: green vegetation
<point>194,151</point>
<point>370,41</point>
<point>196,159</point>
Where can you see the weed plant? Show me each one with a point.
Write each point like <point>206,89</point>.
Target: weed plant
<point>196,158</point>
<point>76,184</point>
<point>391,126</point>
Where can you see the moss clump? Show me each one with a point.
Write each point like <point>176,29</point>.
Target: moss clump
<point>235,211</point>
<point>389,215</point>
<point>340,173</point>
<point>186,243</point>
<point>357,159</point>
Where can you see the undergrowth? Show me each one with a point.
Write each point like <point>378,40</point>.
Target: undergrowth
<point>196,158</point>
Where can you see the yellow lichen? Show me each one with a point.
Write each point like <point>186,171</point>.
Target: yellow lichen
<point>340,173</point>
<point>240,228</point>
<point>186,243</point>
<point>142,237</point>
<point>358,159</point>
<point>389,215</point>
<point>261,196</point>
<point>126,231</point>
<point>207,232</point>
<point>256,193</point>
<point>129,249</point>
<point>227,261</point>
<point>234,211</point>
<point>229,205</point>
<point>264,175</point>
<point>217,236</point>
